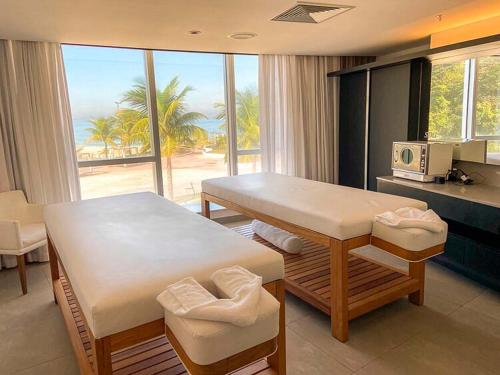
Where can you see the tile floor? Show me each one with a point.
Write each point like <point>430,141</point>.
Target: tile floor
<point>456,332</point>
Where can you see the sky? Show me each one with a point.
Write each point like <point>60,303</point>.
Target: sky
<point>98,77</point>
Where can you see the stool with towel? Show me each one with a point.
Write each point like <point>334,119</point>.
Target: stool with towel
<point>415,235</point>
<point>220,335</point>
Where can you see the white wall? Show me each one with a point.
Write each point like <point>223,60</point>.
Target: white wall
<point>487,172</point>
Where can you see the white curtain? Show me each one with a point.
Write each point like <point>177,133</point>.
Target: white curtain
<point>37,154</point>
<point>297,113</point>
<point>5,184</point>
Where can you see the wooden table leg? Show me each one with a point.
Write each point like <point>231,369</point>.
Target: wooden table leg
<point>278,359</point>
<point>205,206</point>
<point>416,270</point>
<point>101,350</point>
<point>21,269</point>
<point>338,289</point>
<point>54,265</point>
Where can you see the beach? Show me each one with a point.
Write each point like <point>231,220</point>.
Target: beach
<point>188,168</point>
<point>187,173</point>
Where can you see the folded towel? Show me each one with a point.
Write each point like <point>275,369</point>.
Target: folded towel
<point>188,299</point>
<point>278,237</point>
<point>409,217</point>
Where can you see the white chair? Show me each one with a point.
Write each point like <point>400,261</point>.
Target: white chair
<point>21,229</point>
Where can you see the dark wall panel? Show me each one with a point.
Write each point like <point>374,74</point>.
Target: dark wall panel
<point>389,107</point>
<point>352,120</point>
<point>420,92</point>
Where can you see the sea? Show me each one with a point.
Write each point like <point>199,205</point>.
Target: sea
<point>212,126</point>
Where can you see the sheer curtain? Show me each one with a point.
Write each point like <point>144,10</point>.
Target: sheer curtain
<point>297,114</point>
<point>37,152</point>
<point>5,184</point>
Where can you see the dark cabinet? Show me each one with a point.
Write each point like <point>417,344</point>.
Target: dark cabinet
<point>376,108</point>
<point>389,104</point>
<point>352,150</point>
<point>473,244</point>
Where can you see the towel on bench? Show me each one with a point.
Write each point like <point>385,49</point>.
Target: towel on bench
<point>240,288</point>
<point>410,217</point>
<point>278,237</point>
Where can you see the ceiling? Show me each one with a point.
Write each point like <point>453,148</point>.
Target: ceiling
<point>373,27</point>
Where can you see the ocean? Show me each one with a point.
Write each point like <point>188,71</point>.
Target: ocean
<point>212,126</point>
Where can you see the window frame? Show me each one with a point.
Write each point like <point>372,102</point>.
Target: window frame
<point>155,157</point>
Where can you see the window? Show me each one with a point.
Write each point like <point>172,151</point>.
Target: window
<point>158,120</point>
<point>447,95</point>
<point>465,102</point>
<point>488,96</point>
<point>487,106</point>
<point>111,135</point>
<point>190,97</point>
<point>246,76</point>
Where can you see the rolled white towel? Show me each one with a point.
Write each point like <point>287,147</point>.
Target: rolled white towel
<point>410,217</point>
<point>188,299</point>
<point>278,237</point>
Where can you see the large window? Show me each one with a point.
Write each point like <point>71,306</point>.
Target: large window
<point>447,95</point>
<point>465,102</point>
<point>111,146</point>
<point>161,121</point>
<point>487,104</point>
<point>190,96</point>
<point>246,72</point>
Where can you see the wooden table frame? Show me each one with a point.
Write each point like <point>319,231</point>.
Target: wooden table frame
<point>102,348</point>
<point>340,311</point>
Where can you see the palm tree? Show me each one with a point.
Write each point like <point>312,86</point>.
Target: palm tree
<point>177,126</point>
<point>103,130</point>
<point>247,119</point>
<point>126,128</point>
<point>247,122</point>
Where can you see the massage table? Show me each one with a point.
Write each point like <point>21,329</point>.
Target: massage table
<point>341,219</point>
<point>116,254</point>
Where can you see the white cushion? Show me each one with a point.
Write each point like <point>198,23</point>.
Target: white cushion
<point>12,204</point>
<point>32,233</point>
<point>206,342</point>
<point>414,239</point>
<point>121,252</point>
<point>336,211</point>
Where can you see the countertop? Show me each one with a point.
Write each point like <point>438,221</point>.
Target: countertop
<point>484,194</point>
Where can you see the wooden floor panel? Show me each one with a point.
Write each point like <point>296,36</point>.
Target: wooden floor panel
<point>308,274</point>
<point>152,357</point>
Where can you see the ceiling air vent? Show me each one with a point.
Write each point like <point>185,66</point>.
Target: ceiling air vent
<point>311,12</point>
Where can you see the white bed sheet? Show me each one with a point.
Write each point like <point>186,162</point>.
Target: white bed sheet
<point>121,252</point>
<point>337,211</point>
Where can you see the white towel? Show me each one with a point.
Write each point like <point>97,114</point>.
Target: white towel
<point>188,299</point>
<point>278,237</point>
<point>409,217</point>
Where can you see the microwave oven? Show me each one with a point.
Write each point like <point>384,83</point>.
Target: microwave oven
<point>421,161</point>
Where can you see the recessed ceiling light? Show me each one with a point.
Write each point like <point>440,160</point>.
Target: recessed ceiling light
<point>194,32</point>
<point>240,36</point>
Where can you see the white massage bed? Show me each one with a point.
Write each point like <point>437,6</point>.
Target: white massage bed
<point>119,253</point>
<point>337,211</point>
<point>338,217</point>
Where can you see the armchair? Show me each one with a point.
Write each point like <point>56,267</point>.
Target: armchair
<point>22,229</point>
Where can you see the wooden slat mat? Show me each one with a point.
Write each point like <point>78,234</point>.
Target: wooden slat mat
<point>307,274</point>
<point>155,356</point>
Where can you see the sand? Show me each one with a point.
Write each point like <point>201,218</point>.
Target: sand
<point>188,172</point>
